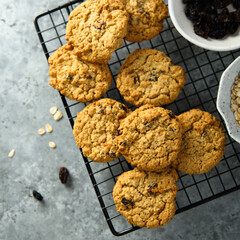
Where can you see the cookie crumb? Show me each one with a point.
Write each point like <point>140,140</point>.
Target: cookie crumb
<point>48,128</point>
<point>52,144</point>
<point>53,110</point>
<point>41,131</point>
<point>11,154</point>
<point>58,115</point>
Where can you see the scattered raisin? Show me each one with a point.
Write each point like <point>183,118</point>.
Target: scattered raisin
<point>63,175</point>
<point>37,195</point>
<point>123,107</point>
<point>136,79</point>
<point>171,115</point>
<point>112,154</point>
<point>124,143</point>
<point>150,187</point>
<point>70,77</point>
<point>126,201</point>
<point>147,15</point>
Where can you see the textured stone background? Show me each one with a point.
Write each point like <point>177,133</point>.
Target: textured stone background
<point>71,212</point>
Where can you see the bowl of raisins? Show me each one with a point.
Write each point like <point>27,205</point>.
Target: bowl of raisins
<point>210,24</point>
<point>228,99</point>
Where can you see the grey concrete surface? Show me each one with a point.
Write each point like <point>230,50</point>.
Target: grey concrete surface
<point>68,212</point>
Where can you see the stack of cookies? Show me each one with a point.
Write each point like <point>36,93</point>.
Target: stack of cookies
<point>95,29</point>
<point>151,139</point>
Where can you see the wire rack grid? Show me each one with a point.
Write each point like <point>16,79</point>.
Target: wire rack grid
<point>203,69</point>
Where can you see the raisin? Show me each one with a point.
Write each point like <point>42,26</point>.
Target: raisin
<point>150,187</point>
<point>203,25</point>
<point>218,30</point>
<point>172,130</point>
<point>147,15</point>
<point>124,143</point>
<point>136,79</point>
<point>236,3</point>
<point>123,107</point>
<point>126,201</point>
<point>37,195</point>
<point>102,110</point>
<point>63,175</point>
<point>70,77</point>
<point>112,154</point>
<point>171,115</point>
<point>194,8</point>
<point>153,77</point>
<point>221,3</point>
<point>99,25</point>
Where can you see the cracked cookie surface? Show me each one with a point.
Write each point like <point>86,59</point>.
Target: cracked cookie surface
<point>150,138</point>
<point>145,19</point>
<point>77,79</point>
<point>148,76</point>
<point>95,128</point>
<point>203,143</point>
<point>146,199</point>
<point>96,28</point>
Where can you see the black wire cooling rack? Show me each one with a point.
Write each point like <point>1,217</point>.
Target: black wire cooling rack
<point>203,69</point>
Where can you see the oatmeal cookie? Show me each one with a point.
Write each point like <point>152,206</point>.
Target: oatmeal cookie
<point>95,128</point>
<point>148,76</point>
<point>203,142</point>
<point>146,199</point>
<point>77,79</point>
<point>150,138</point>
<point>96,28</point>
<point>145,19</point>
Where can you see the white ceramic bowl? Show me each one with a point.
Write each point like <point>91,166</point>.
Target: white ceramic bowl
<point>185,27</point>
<point>224,99</point>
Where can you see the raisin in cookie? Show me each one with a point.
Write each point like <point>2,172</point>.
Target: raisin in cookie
<point>148,76</point>
<point>96,126</point>
<point>77,79</point>
<point>145,19</point>
<point>96,28</point>
<point>150,138</point>
<point>203,142</point>
<point>146,199</point>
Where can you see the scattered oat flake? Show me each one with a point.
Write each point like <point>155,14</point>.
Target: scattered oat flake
<point>53,110</point>
<point>52,144</point>
<point>11,154</point>
<point>41,131</point>
<point>58,115</point>
<point>48,128</point>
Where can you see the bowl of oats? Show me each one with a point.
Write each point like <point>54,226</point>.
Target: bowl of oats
<point>228,99</point>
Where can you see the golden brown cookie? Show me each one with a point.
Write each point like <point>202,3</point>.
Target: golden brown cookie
<point>148,76</point>
<point>145,19</point>
<point>150,138</point>
<point>146,199</point>
<point>96,126</point>
<point>203,142</point>
<point>96,28</point>
<point>77,79</point>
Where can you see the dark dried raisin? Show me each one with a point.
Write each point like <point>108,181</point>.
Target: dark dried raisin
<point>63,175</point>
<point>126,201</point>
<point>236,4</point>
<point>136,79</point>
<point>124,143</point>
<point>37,195</point>
<point>123,107</point>
<point>171,115</point>
<point>112,154</point>
<point>221,3</point>
<point>150,187</point>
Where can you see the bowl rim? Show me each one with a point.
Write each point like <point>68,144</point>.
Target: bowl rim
<point>186,36</point>
<point>219,102</point>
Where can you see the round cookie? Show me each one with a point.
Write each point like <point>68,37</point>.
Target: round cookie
<point>95,128</point>
<point>146,199</point>
<point>145,19</point>
<point>77,79</point>
<point>203,142</point>
<point>148,76</point>
<point>96,28</point>
<point>150,138</point>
